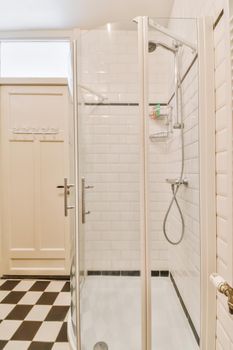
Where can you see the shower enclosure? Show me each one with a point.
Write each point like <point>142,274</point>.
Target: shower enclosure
<point>138,244</point>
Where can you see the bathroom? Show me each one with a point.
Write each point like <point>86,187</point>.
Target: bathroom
<point>116,181</point>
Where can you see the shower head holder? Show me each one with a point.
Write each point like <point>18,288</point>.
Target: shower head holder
<point>178,126</point>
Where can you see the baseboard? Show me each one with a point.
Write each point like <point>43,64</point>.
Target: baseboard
<point>185,310</point>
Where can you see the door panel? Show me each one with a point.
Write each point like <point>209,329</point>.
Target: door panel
<point>22,195</point>
<point>35,160</point>
<point>52,223</point>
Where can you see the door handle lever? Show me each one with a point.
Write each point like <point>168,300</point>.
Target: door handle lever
<point>66,187</point>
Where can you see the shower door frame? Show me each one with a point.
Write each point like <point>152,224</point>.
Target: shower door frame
<point>207,192</point>
<point>207,139</point>
<point>142,22</point>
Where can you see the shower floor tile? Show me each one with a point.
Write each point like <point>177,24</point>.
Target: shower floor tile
<point>33,314</point>
<point>111,312</point>
<point>36,315</point>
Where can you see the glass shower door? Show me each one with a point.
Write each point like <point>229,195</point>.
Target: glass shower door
<point>173,157</point>
<point>109,195</point>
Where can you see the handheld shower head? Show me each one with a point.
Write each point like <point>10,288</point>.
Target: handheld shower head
<point>152,46</point>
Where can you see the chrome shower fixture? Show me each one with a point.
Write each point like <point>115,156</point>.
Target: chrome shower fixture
<point>177,181</point>
<point>167,32</point>
<point>152,46</point>
<point>178,126</point>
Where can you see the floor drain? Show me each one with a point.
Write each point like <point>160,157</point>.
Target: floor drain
<point>100,346</point>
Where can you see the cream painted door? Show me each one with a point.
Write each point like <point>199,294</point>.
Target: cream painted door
<point>35,160</point>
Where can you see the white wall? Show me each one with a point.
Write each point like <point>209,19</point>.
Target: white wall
<point>184,259</point>
<point>111,152</point>
<point>112,166</point>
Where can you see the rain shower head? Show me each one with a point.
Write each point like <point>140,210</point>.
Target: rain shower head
<point>169,33</point>
<point>152,46</point>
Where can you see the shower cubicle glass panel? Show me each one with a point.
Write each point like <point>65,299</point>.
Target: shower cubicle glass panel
<point>173,183</point>
<point>139,186</point>
<point>109,163</point>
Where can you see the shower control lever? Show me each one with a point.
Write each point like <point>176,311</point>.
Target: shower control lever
<point>177,181</point>
<point>84,212</point>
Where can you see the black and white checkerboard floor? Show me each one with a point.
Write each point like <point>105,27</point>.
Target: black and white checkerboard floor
<point>33,314</point>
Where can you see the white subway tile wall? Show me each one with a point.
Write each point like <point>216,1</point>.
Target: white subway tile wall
<point>112,166</point>
<point>184,259</point>
<point>110,136</point>
<point>158,203</point>
<point>183,8</point>
<point>111,152</point>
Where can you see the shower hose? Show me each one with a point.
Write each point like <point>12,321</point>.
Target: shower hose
<point>176,186</point>
<point>174,200</point>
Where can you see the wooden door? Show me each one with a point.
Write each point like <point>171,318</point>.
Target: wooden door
<point>35,160</point>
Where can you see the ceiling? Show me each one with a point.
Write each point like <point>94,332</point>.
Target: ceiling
<point>61,14</point>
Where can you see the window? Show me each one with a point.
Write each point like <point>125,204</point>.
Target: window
<point>34,59</point>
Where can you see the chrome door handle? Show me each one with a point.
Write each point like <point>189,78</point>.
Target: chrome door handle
<point>66,193</point>
<point>68,186</point>
<point>84,212</point>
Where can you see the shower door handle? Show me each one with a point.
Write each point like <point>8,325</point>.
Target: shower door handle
<point>84,212</point>
<point>66,193</point>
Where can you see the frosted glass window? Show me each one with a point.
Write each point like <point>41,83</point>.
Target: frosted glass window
<point>34,59</point>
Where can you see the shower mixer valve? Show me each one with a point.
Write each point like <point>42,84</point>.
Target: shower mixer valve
<point>177,181</point>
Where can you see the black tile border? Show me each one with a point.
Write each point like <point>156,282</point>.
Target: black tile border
<point>196,336</point>
<point>164,273</point>
<point>93,273</point>
<point>130,273</point>
<point>110,273</point>
<point>130,104</point>
<point>36,277</point>
<point>126,273</point>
